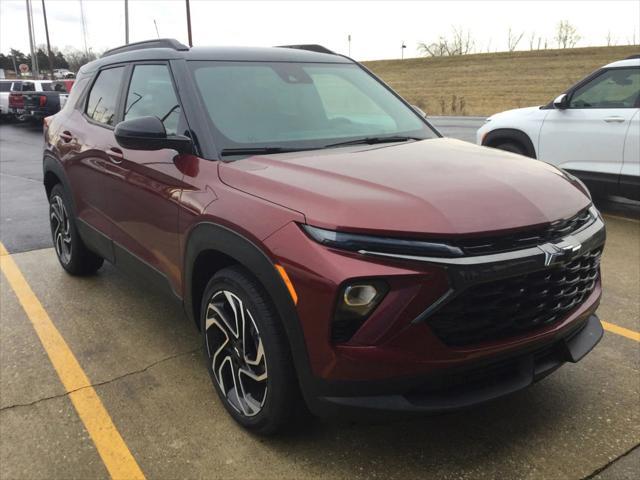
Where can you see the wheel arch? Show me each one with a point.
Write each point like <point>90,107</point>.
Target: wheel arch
<point>210,247</point>
<point>503,135</point>
<point>53,173</point>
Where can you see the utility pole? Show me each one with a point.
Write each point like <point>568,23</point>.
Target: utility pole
<point>34,57</point>
<point>189,24</point>
<point>15,67</point>
<point>349,40</point>
<point>126,22</point>
<point>84,29</point>
<point>46,29</point>
<point>402,50</point>
<point>156,25</point>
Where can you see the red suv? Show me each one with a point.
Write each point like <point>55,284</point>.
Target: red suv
<point>334,250</point>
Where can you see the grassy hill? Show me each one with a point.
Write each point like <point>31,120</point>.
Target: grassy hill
<point>486,83</point>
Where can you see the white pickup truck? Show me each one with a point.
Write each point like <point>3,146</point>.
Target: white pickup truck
<point>6,86</point>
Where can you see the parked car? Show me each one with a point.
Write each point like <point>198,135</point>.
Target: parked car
<point>63,73</point>
<point>591,130</point>
<point>38,105</point>
<point>333,249</point>
<point>6,86</point>
<point>16,96</point>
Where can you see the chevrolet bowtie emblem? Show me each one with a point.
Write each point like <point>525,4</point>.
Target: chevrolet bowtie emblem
<point>561,251</point>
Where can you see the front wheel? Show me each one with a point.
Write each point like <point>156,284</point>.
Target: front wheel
<point>512,147</point>
<point>247,354</point>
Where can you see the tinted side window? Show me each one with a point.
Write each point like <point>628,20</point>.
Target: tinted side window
<point>615,88</point>
<point>5,86</point>
<point>78,88</point>
<point>103,97</point>
<point>151,94</point>
<point>28,87</point>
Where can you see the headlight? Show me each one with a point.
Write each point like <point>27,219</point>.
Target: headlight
<point>367,243</point>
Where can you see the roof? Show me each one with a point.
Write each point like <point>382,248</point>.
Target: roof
<point>629,62</point>
<point>243,54</point>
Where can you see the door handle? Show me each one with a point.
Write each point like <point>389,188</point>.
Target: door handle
<point>614,119</point>
<point>66,136</point>
<point>115,154</point>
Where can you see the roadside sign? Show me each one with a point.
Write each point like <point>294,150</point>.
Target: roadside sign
<point>24,68</point>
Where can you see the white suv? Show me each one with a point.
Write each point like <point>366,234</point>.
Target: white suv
<point>592,130</point>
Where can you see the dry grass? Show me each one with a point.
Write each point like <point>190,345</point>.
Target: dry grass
<point>484,84</point>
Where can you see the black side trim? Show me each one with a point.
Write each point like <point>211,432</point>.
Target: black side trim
<point>95,240</point>
<point>503,135</point>
<point>629,186</point>
<point>599,184</point>
<point>212,237</point>
<point>133,265</point>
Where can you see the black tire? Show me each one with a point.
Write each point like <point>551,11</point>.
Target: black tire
<point>512,147</point>
<point>260,411</point>
<point>72,253</point>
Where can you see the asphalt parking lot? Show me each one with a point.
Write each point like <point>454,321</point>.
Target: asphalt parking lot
<point>142,358</point>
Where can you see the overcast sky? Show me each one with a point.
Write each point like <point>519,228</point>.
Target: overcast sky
<point>377,28</point>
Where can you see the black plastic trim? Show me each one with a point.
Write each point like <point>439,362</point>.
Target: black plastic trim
<point>95,240</point>
<point>158,43</point>
<point>209,236</point>
<point>423,395</point>
<point>503,135</point>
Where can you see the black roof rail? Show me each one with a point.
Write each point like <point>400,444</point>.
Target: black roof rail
<point>157,43</point>
<point>309,47</point>
<point>633,57</point>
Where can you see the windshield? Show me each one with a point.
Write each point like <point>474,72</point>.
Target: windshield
<point>299,105</point>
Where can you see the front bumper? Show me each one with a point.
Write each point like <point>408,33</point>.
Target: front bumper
<point>463,388</point>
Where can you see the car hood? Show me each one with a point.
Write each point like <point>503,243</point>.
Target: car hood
<point>439,186</point>
<point>518,112</point>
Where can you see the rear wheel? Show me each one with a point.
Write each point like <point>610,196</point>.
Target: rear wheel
<point>247,354</point>
<point>72,253</point>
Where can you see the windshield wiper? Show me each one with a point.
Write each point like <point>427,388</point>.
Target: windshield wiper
<point>261,150</point>
<point>373,141</point>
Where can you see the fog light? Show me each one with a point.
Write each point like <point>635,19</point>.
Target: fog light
<point>355,303</point>
<point>359,295</point>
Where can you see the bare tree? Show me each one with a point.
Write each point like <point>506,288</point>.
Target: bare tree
<point>566,35</point>
<point>460,43</point>
<point>77,58</point>
<point>611,41</point>
<point>513,40</point>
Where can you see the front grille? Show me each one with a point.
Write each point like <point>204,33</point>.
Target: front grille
<point>511,306</point>
<point>530,238</point>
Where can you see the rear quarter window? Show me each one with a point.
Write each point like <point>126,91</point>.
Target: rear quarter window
<point>103,97</point>
<point>77,91</point>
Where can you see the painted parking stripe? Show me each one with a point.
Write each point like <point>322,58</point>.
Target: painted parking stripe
<point>112,449</point>
<point>625,332</point>
<point>626,219</point>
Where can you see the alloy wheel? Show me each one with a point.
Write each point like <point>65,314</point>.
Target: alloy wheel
<point>61,229</point>
<point>236,353</point>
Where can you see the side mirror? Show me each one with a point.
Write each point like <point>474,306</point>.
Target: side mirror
<point>561,102</point>
<point>419,110</point>
<point>148,133</point>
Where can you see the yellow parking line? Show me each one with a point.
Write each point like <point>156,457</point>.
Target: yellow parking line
<point>617,217</point>
<point>112,449</point>
<point>625,332</point>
